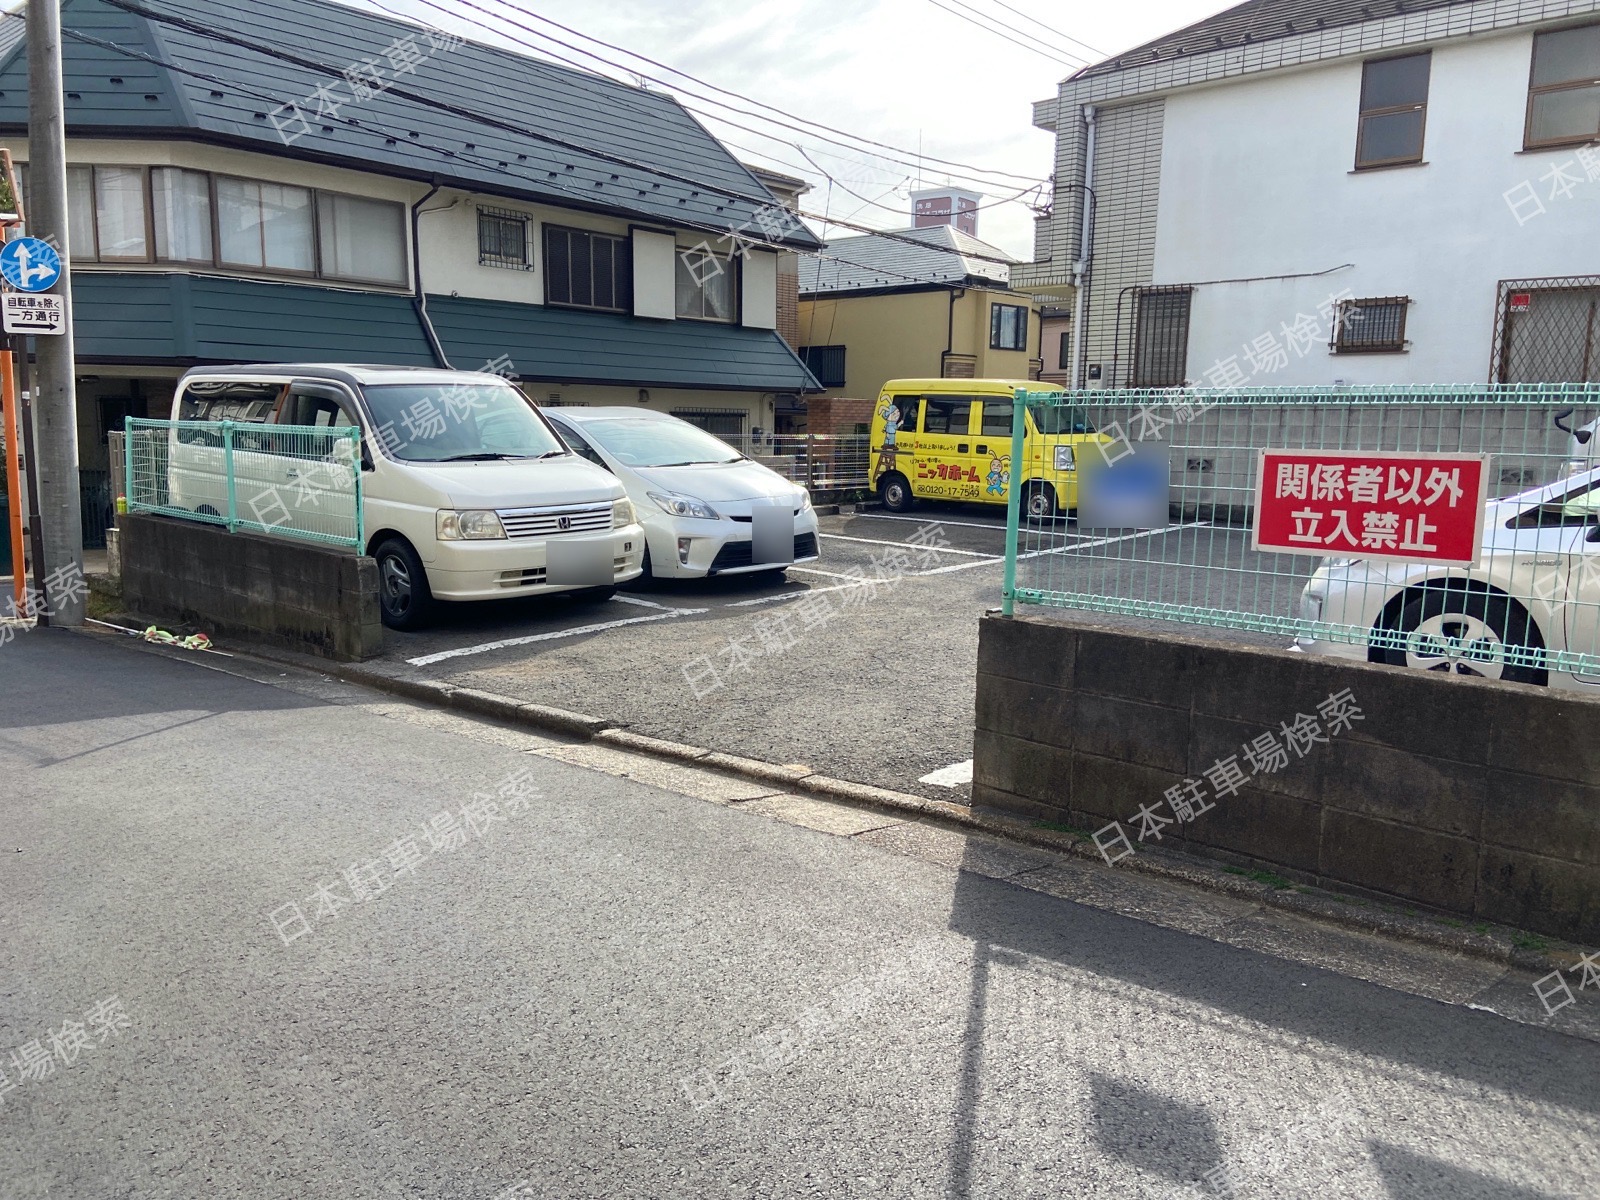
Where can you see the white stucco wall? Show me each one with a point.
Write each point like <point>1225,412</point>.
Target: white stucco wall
<point>1257,179</point>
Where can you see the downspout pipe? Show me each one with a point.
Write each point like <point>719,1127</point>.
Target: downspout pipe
<point>419,301</point>
<point>1080,268</point>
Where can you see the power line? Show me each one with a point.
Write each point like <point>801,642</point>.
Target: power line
<point>686,223</point>
<point>1032,49</point>
<point>967,171</point>
<point>1051,28</point>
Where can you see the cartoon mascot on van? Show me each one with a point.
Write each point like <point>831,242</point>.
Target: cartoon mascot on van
<point>999,477</point>
<point>890,412</point>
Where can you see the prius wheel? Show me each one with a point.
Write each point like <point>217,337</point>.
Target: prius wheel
<point>1458,632</point>
<point>404,598</point>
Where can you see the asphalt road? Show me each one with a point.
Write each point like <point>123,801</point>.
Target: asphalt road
<point>523,1010</point>
<point>872,683</point>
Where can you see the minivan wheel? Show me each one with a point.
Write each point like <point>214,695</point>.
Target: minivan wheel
<point>895,492</point>
<point>1040,500</point>
<point>1460,632</point>
<point>404,599</point>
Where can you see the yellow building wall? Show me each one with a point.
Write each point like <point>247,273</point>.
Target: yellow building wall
<point>903,335</point>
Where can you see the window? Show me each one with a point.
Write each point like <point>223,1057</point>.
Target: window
<point>947,414</point>
<point>361,239</point>
<point>704,286</point>
<point>1371,326</point>
<point>587,270</point>
<point>80,214</point>
<point>1161,336</point>
<point>120,214</point>
<point>265,225</point>
<point>826,363</point>
<point>996,418</point>
<point>503,239</point>
<point>1394,110</point>
<point>1564,88</point>
<point>1008,327</point>
<point>719,422</point>
<point>182,206</point>
<point>1065,360</point>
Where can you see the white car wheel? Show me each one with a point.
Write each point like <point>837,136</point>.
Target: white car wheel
<point>1457,643</point>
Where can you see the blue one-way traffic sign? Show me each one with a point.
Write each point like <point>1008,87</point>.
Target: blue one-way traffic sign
<point>30,264</point>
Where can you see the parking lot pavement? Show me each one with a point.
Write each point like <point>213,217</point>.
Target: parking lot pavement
<point>832,667</point>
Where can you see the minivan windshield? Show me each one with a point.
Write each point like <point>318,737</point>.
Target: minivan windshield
<point>1060,418</point>
<point>458,422</point>
<point>652,442</point>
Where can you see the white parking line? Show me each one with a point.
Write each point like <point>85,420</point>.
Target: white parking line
<point>839,537</point>
<point>872,516</point>
<point>426,659</point>
<point>828,574</point>
<point>952,776</point>
<point>644,603</point>
<point>1068,549</point>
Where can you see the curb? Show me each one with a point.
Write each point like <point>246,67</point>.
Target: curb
<point>1498,945</point>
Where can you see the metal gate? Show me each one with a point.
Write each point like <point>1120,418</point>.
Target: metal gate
<point>1548,331</point>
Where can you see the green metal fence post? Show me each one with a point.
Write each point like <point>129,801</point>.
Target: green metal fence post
<point>1008,593</point>
<point>227,465</point>
<point>355,475</point>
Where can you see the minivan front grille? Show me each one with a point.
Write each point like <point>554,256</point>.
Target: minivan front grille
<point>552,522</point>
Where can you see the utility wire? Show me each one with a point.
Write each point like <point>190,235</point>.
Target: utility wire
<point>677,89</point>
<point>1059,33</point>
<point>1032,49</point>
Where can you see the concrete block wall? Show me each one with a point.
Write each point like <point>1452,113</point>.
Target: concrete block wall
<point>1473,797</point>
<point>279,591</point>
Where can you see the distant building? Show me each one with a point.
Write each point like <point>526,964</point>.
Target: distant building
<point>918,303</point>
<point>946,206</point>
<point>1314,191</point>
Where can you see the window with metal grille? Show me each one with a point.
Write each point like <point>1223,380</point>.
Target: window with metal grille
<point>587,270</point>
<point>1564,88</point>
<point>1376,326</point>
<point>1394,110</point>
<point>719,422</point>
<point>826,363</point>
<point>503,239</point>
<point>1008,327</point>
<point>1161,336</point>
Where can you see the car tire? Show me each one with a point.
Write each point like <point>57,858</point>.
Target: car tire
<point>1039,502</point>
<point>894,489</point>
<point>594,595</point>
<point>405,601</point>
<point>1457,631</point>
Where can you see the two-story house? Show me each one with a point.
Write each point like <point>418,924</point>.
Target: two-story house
<point>933,301</point>
<point>294,180</point>
<point>1314,191</point>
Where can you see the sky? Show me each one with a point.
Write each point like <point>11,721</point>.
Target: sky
<point>906,73</point>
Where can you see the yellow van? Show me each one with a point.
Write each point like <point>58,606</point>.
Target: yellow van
<point>950,439</point>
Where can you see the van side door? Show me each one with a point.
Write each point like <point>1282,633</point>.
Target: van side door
<point>308,479</point>
<point>946,466</point>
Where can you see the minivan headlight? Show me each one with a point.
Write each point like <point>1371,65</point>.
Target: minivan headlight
<point>622,513</point>
<point>471,525</point>
<point>805,500</point>
<point>1065,459</point>
<point>683,506</point>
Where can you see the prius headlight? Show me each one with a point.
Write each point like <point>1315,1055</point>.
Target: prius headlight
<point>470,525</point>
<point>683,506</point>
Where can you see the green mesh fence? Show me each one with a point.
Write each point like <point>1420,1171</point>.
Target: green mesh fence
<point>1368,579</point>
<point>287,480</point>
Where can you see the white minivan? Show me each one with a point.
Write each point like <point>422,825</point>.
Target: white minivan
<point>468,492</point>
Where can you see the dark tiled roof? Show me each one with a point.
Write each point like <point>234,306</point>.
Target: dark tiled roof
<point>1259,21</point>
<point>185,319</point>
<point>873,262</point>
<point>575,139</point>
<point>568,345</point>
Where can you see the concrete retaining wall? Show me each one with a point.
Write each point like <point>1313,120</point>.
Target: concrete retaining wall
<point>1479,798</point>
<point>286,593</point>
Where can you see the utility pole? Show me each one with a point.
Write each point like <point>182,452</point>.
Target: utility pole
<point>55,395</point>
